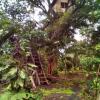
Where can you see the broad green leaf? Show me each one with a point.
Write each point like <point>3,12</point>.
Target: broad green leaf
<point>32,65</point>
<point>20,82</point>
<point>97,47</point>
<point>8,87</point>
<point>12,71</point>
<point>22,74</point>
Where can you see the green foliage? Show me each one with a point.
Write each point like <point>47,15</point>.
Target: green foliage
<point>54,90</point>
<point>93,87</point>
<point>16,79</point>
<point>32,65</point>
<point>97,47</point>
<point>11,74</point>
<point>88,62</point>
<point>22,74</point>
<point>80,15</point>
<point>64,19</point>
<point>55,72</point>
<point>4,21</point>
<point>94,84</point>
<point>21,95</point>
<point>6,62</point>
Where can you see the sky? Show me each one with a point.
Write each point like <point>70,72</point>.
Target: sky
<point>78,36</point>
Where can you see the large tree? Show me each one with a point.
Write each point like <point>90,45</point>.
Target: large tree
<point>84,13</point>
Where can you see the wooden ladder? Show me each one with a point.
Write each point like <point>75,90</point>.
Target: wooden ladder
<point>41,74</point>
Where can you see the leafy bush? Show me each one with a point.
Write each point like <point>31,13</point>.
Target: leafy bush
<point>88,62</point>
<point>14,77</point>
<point>94,84</point>
<point>21,95</point>
<point>55,72</point>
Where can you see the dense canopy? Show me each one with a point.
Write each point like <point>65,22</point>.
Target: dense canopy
<point>38,46</point>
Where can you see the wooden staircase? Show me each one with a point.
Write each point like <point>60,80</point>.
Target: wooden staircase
<point>37,61</point>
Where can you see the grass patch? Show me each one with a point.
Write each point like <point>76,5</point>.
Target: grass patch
<point>47,92</point>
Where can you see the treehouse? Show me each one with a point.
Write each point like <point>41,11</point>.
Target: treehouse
<point>60,5</point>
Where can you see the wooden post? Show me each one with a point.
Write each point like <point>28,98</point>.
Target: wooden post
<point>32,81</point>
<point>38,79</point>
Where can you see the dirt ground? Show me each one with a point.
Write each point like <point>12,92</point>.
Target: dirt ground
<point>73,80</point>
<point>61,97</point>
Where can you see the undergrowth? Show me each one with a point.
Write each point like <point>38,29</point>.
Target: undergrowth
<point>21,95</point>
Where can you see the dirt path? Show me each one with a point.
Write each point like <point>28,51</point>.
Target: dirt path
<point>61,96</point>
<point>73,81</point>
<point>58,96</point>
